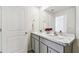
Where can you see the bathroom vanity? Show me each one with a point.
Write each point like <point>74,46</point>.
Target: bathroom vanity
<point>48,43</point>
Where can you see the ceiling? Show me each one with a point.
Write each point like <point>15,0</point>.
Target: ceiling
<point>54,9</point>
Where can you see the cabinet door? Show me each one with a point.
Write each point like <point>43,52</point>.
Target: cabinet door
<point>54,45</point>
<point>33,44</point>
<point>51,50</point>
<point>43,48</point>
<point>36,46</point>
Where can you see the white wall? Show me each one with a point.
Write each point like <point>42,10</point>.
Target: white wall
<point>31,13</point>
<point>76,43</point>
<point>70,16</point>
<point>0,28</point>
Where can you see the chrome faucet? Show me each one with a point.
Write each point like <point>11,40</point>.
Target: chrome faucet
<point>55,34</point>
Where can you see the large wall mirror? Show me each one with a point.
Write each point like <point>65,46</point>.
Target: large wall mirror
<point>62,18</point>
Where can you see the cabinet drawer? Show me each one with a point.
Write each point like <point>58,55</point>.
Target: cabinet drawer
<point>35,36</point>
<point>53,45</point>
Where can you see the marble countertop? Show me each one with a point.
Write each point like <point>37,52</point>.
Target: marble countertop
<point>65,39</point>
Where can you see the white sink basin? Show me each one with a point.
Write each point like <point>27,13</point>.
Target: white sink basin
<point>63,35</point>
<point>62,38</point>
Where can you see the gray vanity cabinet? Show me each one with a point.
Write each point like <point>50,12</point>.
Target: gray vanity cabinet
<point>43,48</point>
<point>43,45</point>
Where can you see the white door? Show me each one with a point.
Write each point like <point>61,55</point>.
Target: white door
<point>0,31</point>
<point>13,33</point>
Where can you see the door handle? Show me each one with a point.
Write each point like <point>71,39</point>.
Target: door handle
<point>0,29</point>
<point>25,32</point>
